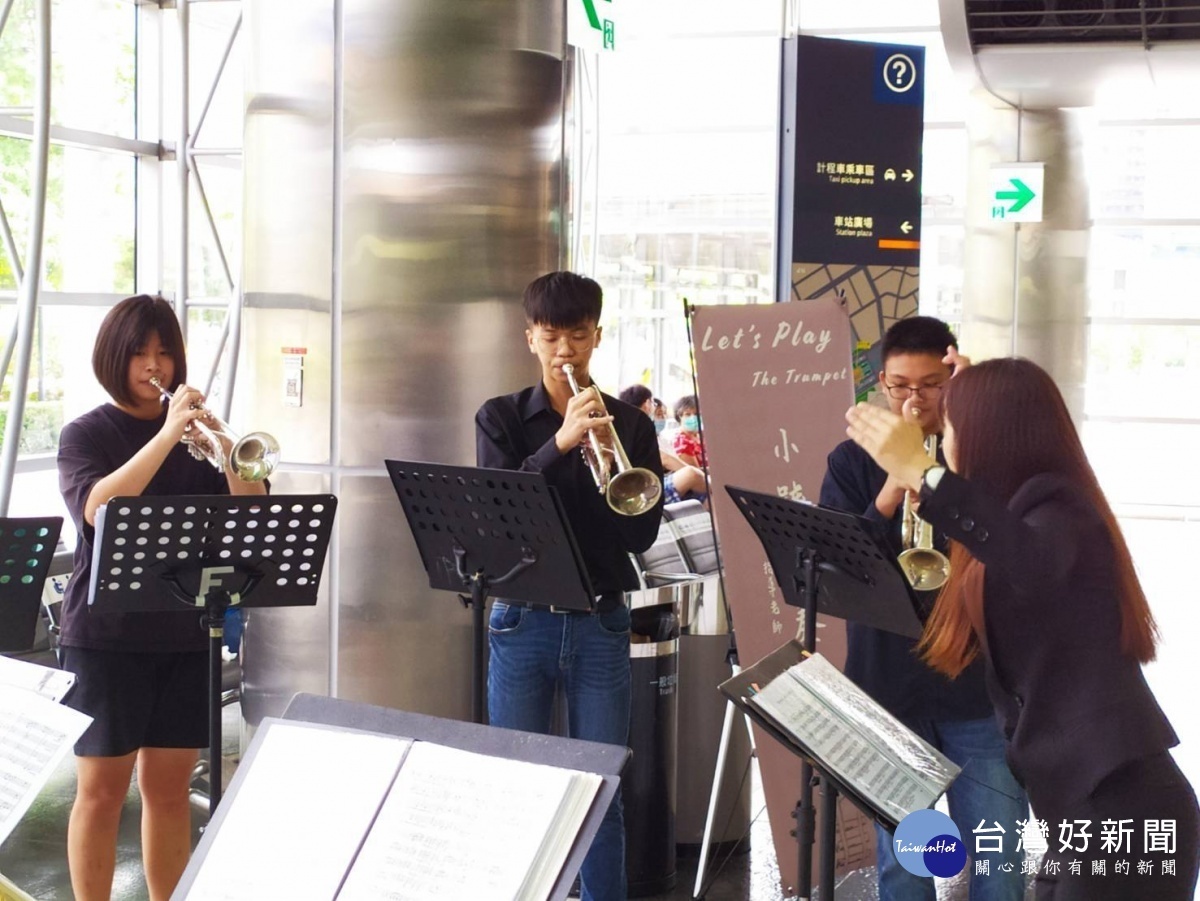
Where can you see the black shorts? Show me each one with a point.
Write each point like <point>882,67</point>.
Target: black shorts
<point>138,700</point>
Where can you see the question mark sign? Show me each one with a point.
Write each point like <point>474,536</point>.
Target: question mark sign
<point>899,73</point>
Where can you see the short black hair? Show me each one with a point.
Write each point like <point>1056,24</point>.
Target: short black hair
<point>917,335</point>
<point>562,300</point>
<point>125,329</point>
<point>636,395</point>
<point>687,402</point>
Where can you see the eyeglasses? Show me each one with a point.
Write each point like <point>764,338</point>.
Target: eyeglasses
<point>904,392</point>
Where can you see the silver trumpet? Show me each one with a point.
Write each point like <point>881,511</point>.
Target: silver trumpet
<point>252,457</point>
<point>925,568</point>
<point>629,490</point>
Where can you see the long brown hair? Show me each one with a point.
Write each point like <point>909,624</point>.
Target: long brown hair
<point>1010,424</point>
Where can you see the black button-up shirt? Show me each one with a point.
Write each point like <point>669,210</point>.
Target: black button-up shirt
<point>516,431</point>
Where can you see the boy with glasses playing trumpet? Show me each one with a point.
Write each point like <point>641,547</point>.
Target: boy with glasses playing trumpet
<point>532,649</point>
<point>919,357</point>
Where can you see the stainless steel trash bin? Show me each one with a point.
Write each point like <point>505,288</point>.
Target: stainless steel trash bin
<point>648,784</point>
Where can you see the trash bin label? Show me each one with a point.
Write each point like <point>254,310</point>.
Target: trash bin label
<point>666,684</point>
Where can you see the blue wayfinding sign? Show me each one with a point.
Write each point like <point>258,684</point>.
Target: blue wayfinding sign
<point>853,121</point>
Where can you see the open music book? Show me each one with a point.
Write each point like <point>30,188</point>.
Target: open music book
<point>829,719</point>
<point>36,733</point>
<point>354,816</point>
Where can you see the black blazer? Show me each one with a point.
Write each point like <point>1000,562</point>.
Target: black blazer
<point>1072,706</point>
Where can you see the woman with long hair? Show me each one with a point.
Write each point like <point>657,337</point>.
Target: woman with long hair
<point>143,677</point>
<point>1043,587</point>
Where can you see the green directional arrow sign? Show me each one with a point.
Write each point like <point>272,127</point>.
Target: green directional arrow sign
<point>593,18</point>
<point>598,19</point>
<point>1022,195</point>
<point>1015,191</point>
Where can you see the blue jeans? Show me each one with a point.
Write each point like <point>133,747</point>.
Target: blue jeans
<point>985,791</point>
<point>532,651</point>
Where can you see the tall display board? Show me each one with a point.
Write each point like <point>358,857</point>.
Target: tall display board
<point>851,128</point>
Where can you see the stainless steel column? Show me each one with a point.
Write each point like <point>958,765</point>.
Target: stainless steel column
<point>403,184</point>
<point>1025,285</point>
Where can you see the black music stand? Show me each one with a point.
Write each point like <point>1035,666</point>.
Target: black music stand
<point>828,559</point>
<point>162,554</point>
<point>481,528</point>
<point>27,546</point>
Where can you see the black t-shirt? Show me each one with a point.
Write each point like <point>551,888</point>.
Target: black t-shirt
<point>516,431</point>
<point>91,447</point>
<point>885,665</point>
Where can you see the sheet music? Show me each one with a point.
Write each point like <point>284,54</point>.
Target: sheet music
<point>865,758</point>
<point>46,681</point>
<point>11,892</point>
<point>300,814</point>
<point>458,825</point>
<point>97,541</point>
<point>35,735</point>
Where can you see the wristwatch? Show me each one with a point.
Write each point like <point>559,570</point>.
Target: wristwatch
<point>932,476</point>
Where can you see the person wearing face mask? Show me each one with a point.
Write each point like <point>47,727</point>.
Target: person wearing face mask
<point>688,445</point>
<point>681,482</point>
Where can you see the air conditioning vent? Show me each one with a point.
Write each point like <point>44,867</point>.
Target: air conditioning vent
<point>1147,22</point>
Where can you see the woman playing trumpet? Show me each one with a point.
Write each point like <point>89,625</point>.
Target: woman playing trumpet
<point>142,677</point>
<point>1044,591</point>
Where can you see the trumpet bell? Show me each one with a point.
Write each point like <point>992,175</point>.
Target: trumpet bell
<point>925,568</point>
<point>633,491</point>
<point>254,456</point>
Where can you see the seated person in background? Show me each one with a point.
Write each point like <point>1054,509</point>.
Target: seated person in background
<point>660,415</point>
<point>681,482</point>
<point>688,446</point>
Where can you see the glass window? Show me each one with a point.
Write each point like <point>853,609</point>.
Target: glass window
<point>1112,444</point>
<point>1140,271</point>
<point>92,63</point>
<point>89,226</point>
<point>944,174</point>
<point>1137,370</point>
<point>831,15</point>
<point>687,173</point>
<point>667,18</point>
<point>1137,171</point>
<point>210,26</point>
<point>692,85</point>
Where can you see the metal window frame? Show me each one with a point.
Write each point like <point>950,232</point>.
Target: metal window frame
<point>33,124</point>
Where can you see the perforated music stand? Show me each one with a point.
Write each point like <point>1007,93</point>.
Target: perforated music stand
<point>827,559</point>
<point>163,554</point>
<point>27,548</point>
<point>480,528</point>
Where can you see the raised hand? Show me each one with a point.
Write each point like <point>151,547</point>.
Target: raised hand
<point>585,411</point>
<point>897,445</point>
<point>184,407</point>
<point>956,361</point>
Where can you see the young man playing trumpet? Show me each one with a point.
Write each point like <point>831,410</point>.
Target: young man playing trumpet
<point>533,649</point>
<point>955,716</point>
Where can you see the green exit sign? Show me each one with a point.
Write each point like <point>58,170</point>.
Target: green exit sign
<point>1016,191</point>
<point>591,24</point>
